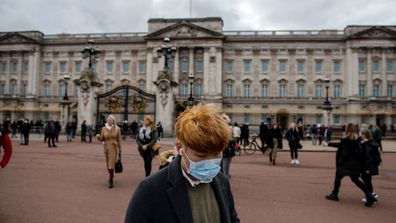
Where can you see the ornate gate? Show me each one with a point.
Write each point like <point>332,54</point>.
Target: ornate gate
<point>126,102</point>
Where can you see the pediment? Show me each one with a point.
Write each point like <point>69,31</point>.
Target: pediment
<point>15,38</point>
<point>376,32</point>
<point>184,30</point>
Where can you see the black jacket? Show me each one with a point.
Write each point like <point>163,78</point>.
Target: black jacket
<point>163,198</point>
<point>371,157</point>
<point>348,157</point>
<point>293,137</point>
<point>277,134</point>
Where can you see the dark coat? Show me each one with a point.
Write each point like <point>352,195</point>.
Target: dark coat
<point>371,157</point>
<point>293,137</point>
<point>163,198</point>
<point>348,157</point>
<point>277,134</point>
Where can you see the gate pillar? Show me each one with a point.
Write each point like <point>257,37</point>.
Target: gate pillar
<point>165,102</point>
<point>88,84</point>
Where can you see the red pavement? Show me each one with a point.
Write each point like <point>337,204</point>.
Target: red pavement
<point>68,184</point>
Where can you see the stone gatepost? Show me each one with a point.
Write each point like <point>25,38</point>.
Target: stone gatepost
<point>164,107</point>
<point>88,84</point>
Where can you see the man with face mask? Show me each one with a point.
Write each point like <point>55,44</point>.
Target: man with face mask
<point>191,188</point>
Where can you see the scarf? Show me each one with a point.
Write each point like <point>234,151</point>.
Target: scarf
<point>144,133</point>
<point>108,126</point>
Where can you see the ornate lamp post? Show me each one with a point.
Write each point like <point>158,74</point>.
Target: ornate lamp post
<point>166,50</point>
<point>66,78</point>
<point>191,100</point>
<point>327,108</point>
<point>91,52</point>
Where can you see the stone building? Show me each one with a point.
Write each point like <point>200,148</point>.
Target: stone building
<point>253,76</point>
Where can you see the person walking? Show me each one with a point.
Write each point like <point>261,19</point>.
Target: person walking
<point>236,132</point>
<point>160,131</point>
<point>51,133</point>
<point>124,130</point>
<point>376,134</point>
<point>58,129</point>
<point>146,139</point>
<point>293,137</point>
<point>191,188</point>
<point>348,164</point>
<point>245,134</point>
<point>134,129</point>
<point>371,159</point>
<point>228,152</point>
<point>274,142</point>
<point>90,132</point>
<point>68,129</point>
<point>110,135</point>
<point>83,131</point>
<point>6,143</point>
<point>263,133</point>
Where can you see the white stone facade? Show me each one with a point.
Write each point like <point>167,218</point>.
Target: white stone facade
<point>250,75</point>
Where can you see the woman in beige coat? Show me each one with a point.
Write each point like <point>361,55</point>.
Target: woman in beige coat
<point>111,138</point>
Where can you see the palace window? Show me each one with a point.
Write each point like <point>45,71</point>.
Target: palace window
<point>109,67</point>
<point>2,88</point>
<point>199,66</point>
<point>282,90</point>
<point>337,91</point>
<point>26,67</point>
<point>376,90</point>
<point>264,66</point>
<point>376,66</point>
<point>282,66</point>
<point>184,66</point>
<point>362,90</point>
<point>94,67</point>
<point>198,89</point>
<point>300,66</point>
<point>229,90</point>
<point>14,89</point>
<point>61,92</point>
<point>389,66</point>
<point>246,90</point>
<point>14,67</point>
<point>246,118</point>
<point>337,119</point>
<point>389,90</point>
<point>77,66</point>
<point>264,90</point>
<point>24,89</point>
<point>142,67</point>
<point>62,67</point>
<point>47,90</point>
<point>337,67</point>
<point>318,66</point>
<point>4,67</point>
<point>48,67</point>
<point>318,119</point>
<point>184,90</point>
<point>109,86</point>
<point>229,66</point>
<point>362,66</point>
<point>247,66</point>
<point>318,90</point>
<point>125,67</point>
<point>300,91</point>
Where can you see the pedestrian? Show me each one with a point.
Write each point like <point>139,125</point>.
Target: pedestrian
<point>293,137</point>
<point>58,129</point>
<point>377,135</point>
<point>236,132</point>
<point>51,134</point>
<point>84,131</point>
<point>190,189</point>
<point>68,129</point>
<point>314,131</point>
<point>146,139</point>
<point>263,133</point>
<point>160,131</point>
<point>134,128</point>
<point>328,135</point>
<point>371,159</point>
<point>274,142</point>
<point>228,152</point>
<point>348,164</point>
<point>74,129</point>
<point>13,129</point>
<point>110,135</point>
<point>90,132</point>
<point>124,130</point>
<point>245,134</point>
<point>6,143</point>
<point>46,133</point>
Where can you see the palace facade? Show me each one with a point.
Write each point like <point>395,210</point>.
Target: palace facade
<point>252,76</point>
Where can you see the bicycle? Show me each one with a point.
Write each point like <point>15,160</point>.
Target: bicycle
<point>253,146</point>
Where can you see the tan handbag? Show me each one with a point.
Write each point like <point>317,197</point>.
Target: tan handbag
<point>156,147</point>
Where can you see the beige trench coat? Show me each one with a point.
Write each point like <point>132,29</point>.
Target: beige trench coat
<point>111,144</point>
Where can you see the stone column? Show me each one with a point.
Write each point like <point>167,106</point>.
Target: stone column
<point>175,75</point>
<point>149,70</point>
<point>34,73</point>
<point>191,61</point>
<point>352,72</point>
<point>369,74</point>
<point>383,73</point>
<point>219,71</point>
<point>206,72</point>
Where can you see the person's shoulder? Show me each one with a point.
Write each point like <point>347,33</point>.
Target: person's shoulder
<point>154,183</point>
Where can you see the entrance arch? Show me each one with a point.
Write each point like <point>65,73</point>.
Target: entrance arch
<point>282,118</point>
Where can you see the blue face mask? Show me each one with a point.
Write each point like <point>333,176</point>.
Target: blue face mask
<point>204,170</point>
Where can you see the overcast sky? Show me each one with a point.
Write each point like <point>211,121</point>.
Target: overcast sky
<point>96,16</point>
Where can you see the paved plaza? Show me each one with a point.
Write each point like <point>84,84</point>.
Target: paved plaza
<point>69,184</point>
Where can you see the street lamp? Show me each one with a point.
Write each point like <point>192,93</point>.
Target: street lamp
<point>327,104</point>
<point>190,100</point>
<point>66,78</point>
<point>166,50</point>
<point>91,52</point>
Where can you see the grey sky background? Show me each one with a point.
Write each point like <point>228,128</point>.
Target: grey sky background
<point>96,16</point>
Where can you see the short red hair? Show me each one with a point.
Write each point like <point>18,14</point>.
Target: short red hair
<point>202,129</point>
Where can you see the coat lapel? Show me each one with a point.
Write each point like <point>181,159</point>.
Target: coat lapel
<point>177,192</point>
<point>220,190</point>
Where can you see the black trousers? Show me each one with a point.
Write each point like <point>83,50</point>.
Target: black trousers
<point>147,158</point>
<point>83,137</point>
<point>355,180</point>
<point>26,136</point>
<point>293,153</point>
<point>367,179</point>
<point>51,138</point>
